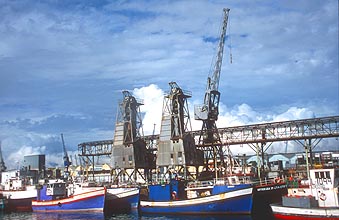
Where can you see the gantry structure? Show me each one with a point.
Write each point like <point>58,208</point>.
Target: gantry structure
<point>176,146</point>
<point>259,137</point>
<point>303,129</point>
<point>95,148</point>
<point>131,158</point>
<point>129,151</point>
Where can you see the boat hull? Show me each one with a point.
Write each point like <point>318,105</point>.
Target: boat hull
<point>19,200</point>
<point>264,195</point>
<point>293,213</point>
<point>86,202</point>
<point>122,200</point>
<point>233,202</point>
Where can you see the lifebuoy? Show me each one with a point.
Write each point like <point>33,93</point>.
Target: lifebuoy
<point>322,197</point>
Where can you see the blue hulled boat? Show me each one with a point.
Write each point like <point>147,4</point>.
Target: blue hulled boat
<point>58,197</point>
<point>208,198</point>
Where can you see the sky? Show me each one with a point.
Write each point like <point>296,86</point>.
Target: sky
<point>64,65</point>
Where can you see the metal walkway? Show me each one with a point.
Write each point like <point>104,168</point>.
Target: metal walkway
<point>305,129</point>
<point>315,128</point>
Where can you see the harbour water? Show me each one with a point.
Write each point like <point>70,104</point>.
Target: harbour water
<point>101,216</point>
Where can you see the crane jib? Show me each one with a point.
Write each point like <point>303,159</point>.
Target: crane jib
<point>210,109</point>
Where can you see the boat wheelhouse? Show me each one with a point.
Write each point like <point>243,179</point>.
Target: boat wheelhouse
<point>315,198</point>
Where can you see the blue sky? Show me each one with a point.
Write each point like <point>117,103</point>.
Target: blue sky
<point>64,65</point>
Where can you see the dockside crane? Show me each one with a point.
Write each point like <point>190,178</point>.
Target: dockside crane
<point>209,111</point>
<point>176,150</point>
<point>67,162</point>
<point>130,153</point>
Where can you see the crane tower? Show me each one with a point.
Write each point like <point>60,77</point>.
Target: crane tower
<point>176,148</point>
<point>209,111</point>
<point>129,151</point>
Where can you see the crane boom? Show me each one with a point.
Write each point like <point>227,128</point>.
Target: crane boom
<point>209,111</point>
<point>214,80</point>
<point>67,162</point>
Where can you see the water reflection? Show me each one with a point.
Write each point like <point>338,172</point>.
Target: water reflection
<point>68,216</point>
<point>197,217</point>
<point>133,216</point>
<point>178,217</point>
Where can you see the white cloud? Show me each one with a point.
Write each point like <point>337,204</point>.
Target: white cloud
<point>294,113</point>
<point>15,159</point>
<point>153,97</point>
<point>239,115</point>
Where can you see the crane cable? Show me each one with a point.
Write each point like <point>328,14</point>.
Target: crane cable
<point>229,34</point>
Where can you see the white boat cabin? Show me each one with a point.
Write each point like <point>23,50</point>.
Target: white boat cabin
<point>16,183</point>
<point>322,185</point>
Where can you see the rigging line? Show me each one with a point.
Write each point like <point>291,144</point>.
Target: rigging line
<point>229,34</point>
<point>216,48</point>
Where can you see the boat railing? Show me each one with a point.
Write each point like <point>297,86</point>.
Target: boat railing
<point>225,181</point>
<point>200,184</point>
<point>232,180</point>
<point>124,186</point>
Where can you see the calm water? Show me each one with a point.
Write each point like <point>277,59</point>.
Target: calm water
<point>100,216</point>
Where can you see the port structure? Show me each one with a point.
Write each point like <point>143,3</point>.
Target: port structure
<point>131,159</point>
<point>259,137</point>
<point>307,132</point>
<point>89,151</point>
<point>208,112</point>
<point>176,146</point>
<point>67,162</point>
<point>313,128</point>
<point>95,148</point>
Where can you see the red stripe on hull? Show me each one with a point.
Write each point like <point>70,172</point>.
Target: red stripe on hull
<point>69,201</point>
<point>298,217</point>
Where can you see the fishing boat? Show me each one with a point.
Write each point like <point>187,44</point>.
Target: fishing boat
<point>121,199</point>
<point>315,198</point>
<point>266,193</point>
<point>18,194</point>
<point>266,190</point>
<point>58,196</point>
<point>217,197</point>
